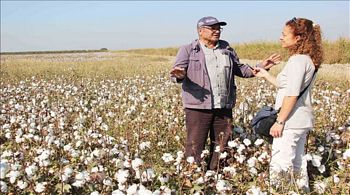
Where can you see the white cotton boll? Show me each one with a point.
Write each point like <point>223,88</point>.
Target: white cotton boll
<point>247,142</point>
<point>95,193</point>
<point>204,153</point>
<point>22,184</point>
<point>250,117</point>
<point>132,189</point>
<point>78,183</point>
<point>209,173</point>
<point>255,191</point>
<point>241,158</point>
<point>336,179</point>
<point>40,187</point>
<point>8,135</point>
<point>223,155</point>
<point>180,154</point>
<point>316,160</point>
<point>320,148</point>
<point>94,169</point>
<point>82,176</point>
<point>44,163</point>
<point>4,168</point>
<point>302,182</point>
<point>222,186</point>
<point>136,163</point>
<point>37,138</point>
<point>3,187</point>
<point>200,180</point>
<point>67,147</point>
<point>148,175</point>
<point>251,162</point>
<point>96,153</point>
<point>240,148</point>
<point>127,163</point>
<point>122,176</point>
<point>163,178</point>
<point>145,145</point>
<point>19,139</point>
<point>346,154</point>
<point>118,192</point>
<point>253,171</point>
<point>31,170</point>
<point>232,144</point>
<point>104,127</point>
<point>144,191</point>
<point>217,149</point>
<point>321,168</point>
<point>320,187</point>
<point>258,142</point>
<point>340,165</point>
<point>44,155</point>
<point>263,156</point>
<point>308,157</point>
<point>190,159</point>
<point>64,177</point>
<point>167,157</point>
<point>13,176</point>
<point>231,170</point>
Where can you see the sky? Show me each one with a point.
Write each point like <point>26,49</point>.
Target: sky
<point>118,25</point>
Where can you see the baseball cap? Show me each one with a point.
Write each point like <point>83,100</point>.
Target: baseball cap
<point>208,21</point>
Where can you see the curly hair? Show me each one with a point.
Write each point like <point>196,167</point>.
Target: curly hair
<point>310,42</point>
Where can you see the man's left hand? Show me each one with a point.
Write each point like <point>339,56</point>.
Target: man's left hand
<point>271,61</point>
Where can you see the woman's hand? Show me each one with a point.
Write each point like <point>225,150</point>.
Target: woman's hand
<point>276,130</point>
<point>260,72</point>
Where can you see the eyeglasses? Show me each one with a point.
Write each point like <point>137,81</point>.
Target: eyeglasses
<point>213,29</point>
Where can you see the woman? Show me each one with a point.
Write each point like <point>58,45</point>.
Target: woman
<point>303,40</point>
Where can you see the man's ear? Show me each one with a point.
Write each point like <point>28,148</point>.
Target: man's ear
<point>298,37</point>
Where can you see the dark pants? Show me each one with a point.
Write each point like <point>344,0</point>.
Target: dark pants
<point>218,122</point>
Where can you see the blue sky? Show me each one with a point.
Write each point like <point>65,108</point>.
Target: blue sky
<point>70,25</point>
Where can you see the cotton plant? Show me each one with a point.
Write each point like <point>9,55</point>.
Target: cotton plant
<point>113,136</point>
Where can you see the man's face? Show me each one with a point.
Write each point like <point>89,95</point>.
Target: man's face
<point>210,33</point>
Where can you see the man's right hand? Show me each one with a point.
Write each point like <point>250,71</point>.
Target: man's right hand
<point>178,72</point>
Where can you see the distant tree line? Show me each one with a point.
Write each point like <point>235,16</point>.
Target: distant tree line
<point>48,52</point>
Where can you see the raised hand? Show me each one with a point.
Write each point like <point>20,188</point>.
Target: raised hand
<point>272,60</point>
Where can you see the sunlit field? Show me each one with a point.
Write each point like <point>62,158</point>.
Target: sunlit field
<point>113,123</point>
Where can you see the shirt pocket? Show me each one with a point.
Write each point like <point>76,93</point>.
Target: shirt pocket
<point>194,64</point>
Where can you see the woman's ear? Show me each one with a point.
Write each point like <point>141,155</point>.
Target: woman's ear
<point>297,37</point>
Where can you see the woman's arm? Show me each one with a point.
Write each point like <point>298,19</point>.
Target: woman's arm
<point>260,72</point>
<point>287,107</point>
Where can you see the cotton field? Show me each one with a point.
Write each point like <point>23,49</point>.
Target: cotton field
<point>76,135</point>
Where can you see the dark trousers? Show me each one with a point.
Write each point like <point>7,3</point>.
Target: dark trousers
<point>199,122</point>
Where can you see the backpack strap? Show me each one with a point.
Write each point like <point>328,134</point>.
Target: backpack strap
<point>301,93</point>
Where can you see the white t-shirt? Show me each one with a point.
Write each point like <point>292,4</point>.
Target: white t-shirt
<point>292,80</point>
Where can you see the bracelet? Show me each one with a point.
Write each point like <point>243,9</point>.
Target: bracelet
<point>279,122</point>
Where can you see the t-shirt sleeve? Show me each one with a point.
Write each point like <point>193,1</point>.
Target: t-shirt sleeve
<point>295,71</point>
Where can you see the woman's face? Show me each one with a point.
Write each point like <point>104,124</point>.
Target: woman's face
<point>288,39</point>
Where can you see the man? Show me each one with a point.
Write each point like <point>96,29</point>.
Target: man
<point>206,69</point>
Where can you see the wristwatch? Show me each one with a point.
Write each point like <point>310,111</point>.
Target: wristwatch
<point>279,122</point>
